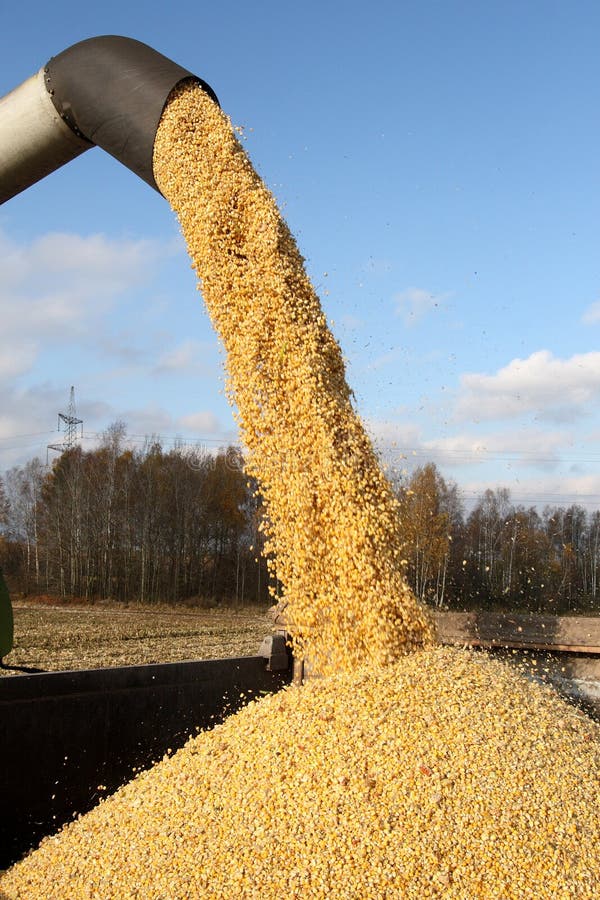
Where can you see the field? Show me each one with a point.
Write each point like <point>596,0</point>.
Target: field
<point>59,637</point>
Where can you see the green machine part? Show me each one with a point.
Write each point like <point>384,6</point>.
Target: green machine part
<point>6,620</point>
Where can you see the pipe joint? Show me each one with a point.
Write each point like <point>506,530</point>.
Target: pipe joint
<point>108,91</point>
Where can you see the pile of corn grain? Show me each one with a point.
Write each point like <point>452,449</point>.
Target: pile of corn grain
<point>441,775</point>
<point>434,773</point>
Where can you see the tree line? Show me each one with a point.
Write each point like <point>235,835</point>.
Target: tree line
<point>500,555</point>
<point>144,525</point>
<point>184,525</point>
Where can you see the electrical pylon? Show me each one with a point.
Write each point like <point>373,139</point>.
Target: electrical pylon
<point>70,424</point>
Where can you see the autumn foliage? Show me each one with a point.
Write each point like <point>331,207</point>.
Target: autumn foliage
<point>499,555</point>
<point>183,526</point>
<point>143,525</point>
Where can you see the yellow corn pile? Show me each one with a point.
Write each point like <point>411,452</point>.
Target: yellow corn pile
<point>435,773</point>
<point>442,775</point>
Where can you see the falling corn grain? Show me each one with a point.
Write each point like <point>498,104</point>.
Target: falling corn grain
<point>430,773</point>
<point>331,519</point>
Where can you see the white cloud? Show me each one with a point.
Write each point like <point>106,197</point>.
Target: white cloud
<point>57,286</point>
<point>151,420</point>
<point>17,359</point>
<point>555,389</point>
<point>202,423</point>
<point>58,308</point>
<point>583,490</point>
<point>55,293</point>
<point>533,448</point>
<point>541,449</point>
<point>592,314</point>
<point>538,467</point>
<point>186,357</point>
<point>393,435</point>
<point>414,303</point>
<point>155,420</point>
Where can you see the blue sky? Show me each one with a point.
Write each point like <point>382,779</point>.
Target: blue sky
<point>438,163</point>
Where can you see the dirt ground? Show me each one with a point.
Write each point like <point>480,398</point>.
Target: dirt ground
<point>53,638</point>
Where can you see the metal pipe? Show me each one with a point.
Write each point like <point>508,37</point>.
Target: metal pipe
<point>34,140</point>
<point>107,91</point>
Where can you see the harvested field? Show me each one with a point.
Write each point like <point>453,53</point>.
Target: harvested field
<point>55,638</point>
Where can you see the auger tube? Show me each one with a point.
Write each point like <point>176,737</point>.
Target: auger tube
<point>105,91</point>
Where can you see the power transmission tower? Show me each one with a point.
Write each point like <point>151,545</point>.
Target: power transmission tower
<point>70,422</point>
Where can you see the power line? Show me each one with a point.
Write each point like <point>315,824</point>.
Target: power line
<point>483,455</point>
<point>14,437</point>
<point>174,438</point>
